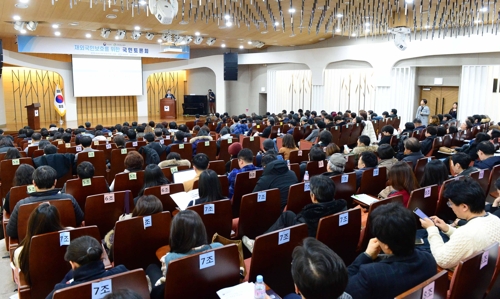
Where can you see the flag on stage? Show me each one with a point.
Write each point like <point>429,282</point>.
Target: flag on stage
<point>59,104</point>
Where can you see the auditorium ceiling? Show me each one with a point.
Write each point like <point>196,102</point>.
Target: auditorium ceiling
<point>251,23</point>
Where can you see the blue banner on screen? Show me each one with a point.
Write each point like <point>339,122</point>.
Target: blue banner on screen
<point>54,45</point>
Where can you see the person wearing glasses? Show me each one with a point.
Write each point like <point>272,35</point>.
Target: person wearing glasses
<point>467,200</point>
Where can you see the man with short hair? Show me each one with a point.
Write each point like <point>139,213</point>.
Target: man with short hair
<point>241,127</point>
<point>386,157</point>
<point>44,180</point>
<point>486,154</point>
<point>363,145</point>
<point>119,141</point>
<point>35,139</point>
<point>412,151</point>
<point>423,112</point>
<point>132,135</point>
<point>430,135</point>
<point>417,122</point>
<point>367,160</point>
<point>200,163</point>
<point>467,200</point>
<point>390,265</point>
<point>211,101</point>
<point>386,132</point>
<point>150,142</point>
<point>460,164</point>
<point>320,125</point>
<point>245,162</point>
<point>179,138</point>
<point>86,142</point>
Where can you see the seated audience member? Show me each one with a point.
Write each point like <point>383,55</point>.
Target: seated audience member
<point>390,265</point>
<point>276,175</point>
<point>187,236</point>
<point>320,125</point>
<point>133,162</point>
<point>409,127</point>
<point>363,145</point>
<point>315,154</point>
<point>325,138</point>
<point>336,165</point>
<point>367,160</point>
<point>209,188</point>
<point>35,139</point>
<point>22,176</point>
<point>435,173</point>
<point>269,149</point>
<point>434,121</point>
<point>44,219</point>
<point>153,176</point>
<point>486,154</point>
<point>245,162</point>
<point>6,144</point>
<point>394,113</point>
<point>179,139</point>
<point>12,153</point>
<point>288,145</point>
<point>471,148</point>
<point>412,151</point>
<point>441,131</point>
<point>119,141</point>
<point>200,164</point>
<point>317,272</point>
<point>386,156</point>
<point>43,144</point>
<point>430,135</point>
<point>241,127</point>
<point>467,200</point>
<point>387,132</point>
<point>86,143</point>
<point>132,136</point>
<point>44,181</point>
<point>267,130</point>
<point>158,134</point>
<point>174,159</point>
<point>233,150</point>
<point>323,204</point>
<point>291,124</point>
<point>460,164</point>
<point>200,138</point>
<point>402,182</point>
<point>331,149</point>
<point>84,255</point>
<point>418,124</point>
<point>150,142</point>
<point>99,136</point>
<point>494,207</point>
<point>368,130</point>
<point>172,127</point>
<point>451,130</point>
<point>123,294</point>
<point>146,205</point>
<point>140,131</point>
<point>84,170</point>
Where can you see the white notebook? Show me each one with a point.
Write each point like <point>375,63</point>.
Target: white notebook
<point>366,199</point>
<point>182,199</point>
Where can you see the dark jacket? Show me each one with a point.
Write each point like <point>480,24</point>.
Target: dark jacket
<point>159,148</point>
<point>4,148</point>
<point>330,174</point>
<point>388,276</point>
<point>427,144</point>
<point>277,175</point>
<point>385,140</point>
<point>85,273</point>
<point>40,197</point>
<point>313,212</point>
<point>62,163</point>
<point>488,163</point>
<point>169,147</point>
<point>413,158</point>
<point>266,132</point>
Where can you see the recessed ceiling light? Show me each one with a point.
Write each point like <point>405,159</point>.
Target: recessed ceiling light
<point>337,30</point>
<point>249,42</point>
<point>478,21</point>
<point>160,40</point>
<point>223,45</point>
<point>427,26</point>
<point>276,23</point>
<point>111,16</point>
<point>142,2</point>
<point>292,35</point>
<point>367,30</point>
<point>241,46</point>
<point>116,37</point>
<point>367,24</point>
<point>21,5</point>
<point>339,15</point>
<point>241,39</point>
<point>292,45</point>
<point>137,28</point>
<point>23,31</point>
<point>264,32</point>
<point>197,33</point>
<point>354,34</point>
<point>115,10</point>
<point>222,27</point>
<point>322,38</point>
<point>484,9</point>
<point>88,35</point>
<point>57,33</point>
<point>24,1</point>
<point>55,26</point>
<point>183,22</point>
<point>16,18</point>
<point>74,24</point>
<point>409,1</point>
<point>229,24</point>
<point>291,10</point>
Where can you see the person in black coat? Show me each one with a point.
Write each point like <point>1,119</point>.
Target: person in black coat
<point>390,265</point>
<point>323,204</point>
<point>430,135</point>
<point>276,175</point>
<point>150,142</point>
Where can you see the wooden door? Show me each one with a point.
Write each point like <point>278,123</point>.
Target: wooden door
<point>440,99</point>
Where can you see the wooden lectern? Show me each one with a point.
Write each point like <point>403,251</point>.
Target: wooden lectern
<point>168,108</point>
<point>33,116</point>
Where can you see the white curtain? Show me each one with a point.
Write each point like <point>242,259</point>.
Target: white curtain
<point>289,89</point>
<point>402,93</point>
<point>476,92</point>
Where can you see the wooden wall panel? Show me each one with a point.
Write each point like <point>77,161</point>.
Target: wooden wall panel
<point>24,86</point>
<point>106,110</point>
<point>157,85</point>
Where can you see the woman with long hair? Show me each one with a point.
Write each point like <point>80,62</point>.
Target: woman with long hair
<point>133,162</point>
<point>44,219</point>
<point>187,236</point>
<point>6,144</point>
<point>453,110</point>
<point>84,256</point>
<point>288,146</point>
<point>435,173</point>
<point>153,176</point>
<point>12,153</point>
<point>23,176</point>
<point>209,188</point>
<point>401,181</point>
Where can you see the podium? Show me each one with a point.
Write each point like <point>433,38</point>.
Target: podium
<point>33,116</point>
<point>168,108</point>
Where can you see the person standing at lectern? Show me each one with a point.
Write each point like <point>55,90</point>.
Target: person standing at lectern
<point>169,95</point>
<point>211,101</point>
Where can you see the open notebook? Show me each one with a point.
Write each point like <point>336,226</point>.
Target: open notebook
<point>364,198</point>
<point>182,199</point>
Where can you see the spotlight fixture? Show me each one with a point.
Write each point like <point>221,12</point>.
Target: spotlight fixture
<point>120,34</point>
<point>164,36</point>
<point>188,39</point>
<point>18,25</point>
<point>31,25</point>
<point>211,41</point>
<point>105,32</point>
<point>198,40</point>
<point>400,36</point>
<point>135,35</point>
<point>150,35</point>
<point>164,10</point>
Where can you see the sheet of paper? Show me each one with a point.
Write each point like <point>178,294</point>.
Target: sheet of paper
<point>241,291</point>
<point>182,199</point>
<point>367,199</point>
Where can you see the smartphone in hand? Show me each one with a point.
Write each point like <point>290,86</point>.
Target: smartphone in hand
<point>420,214</point>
